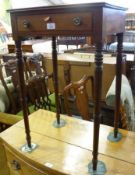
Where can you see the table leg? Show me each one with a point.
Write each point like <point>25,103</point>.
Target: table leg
<point>97,98</point>
<point>58,123</point>
<point>118,82</point>
<point>96,166</point>
<point>116,136</point>
<point>23,90</point>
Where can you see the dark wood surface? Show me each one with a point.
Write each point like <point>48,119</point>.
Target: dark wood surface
<point>23,90</point>
<point>93,19</point>
<point>96,20</point>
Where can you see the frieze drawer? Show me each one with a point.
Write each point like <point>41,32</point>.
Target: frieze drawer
<point>55,22</point>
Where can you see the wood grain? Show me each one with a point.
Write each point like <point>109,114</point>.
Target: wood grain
<point>67,149</point>
<point>80,133</point>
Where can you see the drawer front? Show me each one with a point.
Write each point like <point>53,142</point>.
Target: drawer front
<point>17,166</point>
<point>55,22</point>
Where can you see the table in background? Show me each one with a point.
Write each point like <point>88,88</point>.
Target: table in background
<point>81,64</point>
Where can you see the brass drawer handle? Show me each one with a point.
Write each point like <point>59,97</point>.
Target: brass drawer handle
<point>77,21</point>
<point>16,165</point>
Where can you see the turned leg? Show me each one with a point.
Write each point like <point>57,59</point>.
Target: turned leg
<point>118,82</point>
<point>97,98</point>
<point>23,90</point>
<point>55,75</point>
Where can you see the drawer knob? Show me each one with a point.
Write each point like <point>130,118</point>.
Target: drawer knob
<point>47,19</point>
<point>26,24</point>
<point>16,165</point>
<point>77,21</point>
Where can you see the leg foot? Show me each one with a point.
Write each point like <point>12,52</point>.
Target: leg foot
<point>101,168</point>
<point>62,123</point>
<point>26,148</point>
<point>111,137</point>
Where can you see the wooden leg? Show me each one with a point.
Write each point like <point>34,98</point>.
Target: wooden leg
<point>55,74</point>
<point>97,98</point>
<point>118,83</point>
<point>97,167</point>
<point>23,91</point>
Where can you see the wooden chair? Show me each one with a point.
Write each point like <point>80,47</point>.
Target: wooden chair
<point>38,95</point>
<point>37,84</point>
<point>79,94</point>
<point>67,72</point>
<point>25,48</point>
<point>33,65</point>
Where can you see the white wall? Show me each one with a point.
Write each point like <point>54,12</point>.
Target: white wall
<point>128,4</point>
<point>33,3</point>
<point>28,3</point>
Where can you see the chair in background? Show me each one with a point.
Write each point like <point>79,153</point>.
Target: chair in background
<point>25,48</point>
<point>36,81</point>
<point>78,92</point>
<point>33,64</point>
<point>67,72</point>
<point>38,94</point>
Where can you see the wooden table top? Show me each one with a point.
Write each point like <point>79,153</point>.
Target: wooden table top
<point>69,149</point>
